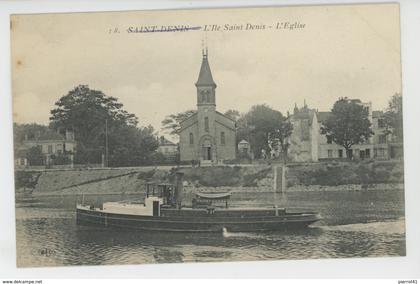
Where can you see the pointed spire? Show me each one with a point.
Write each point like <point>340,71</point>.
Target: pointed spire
<point>295,110</point>
<point>205,78</point>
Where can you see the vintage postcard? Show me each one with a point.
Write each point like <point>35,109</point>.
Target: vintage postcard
<point>208,135</point>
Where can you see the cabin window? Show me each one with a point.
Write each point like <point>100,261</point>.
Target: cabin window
<point>191,139</point>
<point>340,153</point>
<point>222,138</point>
<point>50,149</point>
<point>206,124</point>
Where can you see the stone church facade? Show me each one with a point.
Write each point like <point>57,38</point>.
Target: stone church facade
<point>208,135</point>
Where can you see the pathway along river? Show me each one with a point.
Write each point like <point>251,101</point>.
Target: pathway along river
<point>355,224</point>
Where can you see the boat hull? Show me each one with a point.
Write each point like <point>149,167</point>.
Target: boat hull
<point>199,221</point>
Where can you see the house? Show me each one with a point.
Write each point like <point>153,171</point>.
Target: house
<point>167,148</point>
<point>53,146</point>
<point>207,135</point>
<point>387,146</point>
<point>307,144</point>
<point>304,140</point>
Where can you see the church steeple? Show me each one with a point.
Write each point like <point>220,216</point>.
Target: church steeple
<point>205,78</point>
<point>206,87</point>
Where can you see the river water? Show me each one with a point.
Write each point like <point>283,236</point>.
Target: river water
<point>354,224</point>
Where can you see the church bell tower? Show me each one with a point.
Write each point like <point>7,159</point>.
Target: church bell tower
<point>206,88</point>
<point>206,111</point>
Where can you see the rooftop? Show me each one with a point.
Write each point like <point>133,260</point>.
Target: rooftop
<point>165,142</point>
<point>205,78</point>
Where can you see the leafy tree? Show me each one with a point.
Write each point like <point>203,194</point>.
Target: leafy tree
<point>348,124</point>
<point>233,114</point>
<point>279,137</point>
<point>243,130</point>
<point>260,125</point>
<point>393,118</point>
<point>131,146</point>
<point>172,122</point>
<point>87,112</point>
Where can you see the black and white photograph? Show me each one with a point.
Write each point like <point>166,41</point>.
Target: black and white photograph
<point>208,135</point>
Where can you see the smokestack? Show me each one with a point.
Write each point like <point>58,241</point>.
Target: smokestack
<point>179,189</point>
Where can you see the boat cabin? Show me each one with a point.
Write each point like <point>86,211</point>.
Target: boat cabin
<point>165,191</point>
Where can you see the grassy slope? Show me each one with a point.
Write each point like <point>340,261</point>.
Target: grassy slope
<point>129,180</point>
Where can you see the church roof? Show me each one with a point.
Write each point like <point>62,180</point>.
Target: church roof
<point>205,78</point>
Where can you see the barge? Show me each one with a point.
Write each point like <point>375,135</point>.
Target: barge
<point>162,210</point>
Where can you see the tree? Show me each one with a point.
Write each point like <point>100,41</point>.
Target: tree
<point>348,124</point>
<point>279,137</point>
<point>172,122</point>
<point>87,112</point>
<point>261,124</point>
<point>132,146</point>
<point>393,118</point>
<point>233,114</point>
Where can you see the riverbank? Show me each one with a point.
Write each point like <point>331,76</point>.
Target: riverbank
<point>324,176</point>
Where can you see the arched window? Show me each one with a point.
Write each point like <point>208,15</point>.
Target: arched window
<point>207,97</point>
<point>191,139</point>
<point>222,138</point>
<point>206,124</point>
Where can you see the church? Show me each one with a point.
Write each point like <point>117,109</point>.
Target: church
<point>207,136</point>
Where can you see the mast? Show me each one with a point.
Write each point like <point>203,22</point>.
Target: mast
<point>275,189</point>
<point>106,142</point>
